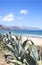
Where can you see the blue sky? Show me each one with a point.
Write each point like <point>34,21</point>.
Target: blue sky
<point>21,13</point>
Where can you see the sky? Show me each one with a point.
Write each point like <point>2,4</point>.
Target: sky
<point>21,13</point>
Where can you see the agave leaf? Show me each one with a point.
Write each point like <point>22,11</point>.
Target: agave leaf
<point>16,37</point>
<point>24,43</point>
<point>32,42</point>
<point>29,59</point>
<point>1,37</point>
<point>16,62</point>
<point>34,53</point>
<point>10,47</point>
<point>12,50</point>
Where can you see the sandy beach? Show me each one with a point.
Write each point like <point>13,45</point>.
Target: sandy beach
<point>36,40</point>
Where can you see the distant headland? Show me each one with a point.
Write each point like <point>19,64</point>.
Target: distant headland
<point>3,27</point>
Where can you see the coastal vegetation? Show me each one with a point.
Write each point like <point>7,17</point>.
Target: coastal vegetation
<point>19,52</point>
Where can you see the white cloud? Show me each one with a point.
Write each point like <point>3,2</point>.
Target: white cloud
<point>8,18</point>
<point>24,11</point>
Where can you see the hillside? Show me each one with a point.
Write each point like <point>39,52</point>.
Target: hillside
<point>3,27</point>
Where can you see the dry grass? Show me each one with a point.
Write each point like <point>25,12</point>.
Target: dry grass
<point>40,62</point>
<point>2,59</point>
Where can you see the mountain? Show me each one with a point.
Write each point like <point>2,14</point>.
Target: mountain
<point>3,27</point>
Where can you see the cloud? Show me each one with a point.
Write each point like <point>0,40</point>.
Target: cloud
<point>8,18</point>
<point>24,11</point>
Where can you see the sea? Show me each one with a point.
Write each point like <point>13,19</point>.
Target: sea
<point>35,33</point>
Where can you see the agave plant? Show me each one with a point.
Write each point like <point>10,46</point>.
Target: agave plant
<point>1,37</point>
<point>18,52</point>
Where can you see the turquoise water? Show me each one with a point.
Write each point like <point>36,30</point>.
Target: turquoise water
<point>24,32</point>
